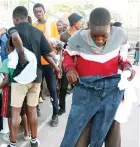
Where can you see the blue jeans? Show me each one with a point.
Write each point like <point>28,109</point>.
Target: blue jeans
<point>95,98</point>
<point>50,78</point>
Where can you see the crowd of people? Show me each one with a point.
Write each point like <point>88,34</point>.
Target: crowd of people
<point>89,60</point>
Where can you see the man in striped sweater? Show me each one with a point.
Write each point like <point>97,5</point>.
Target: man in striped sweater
<point>91,62</point>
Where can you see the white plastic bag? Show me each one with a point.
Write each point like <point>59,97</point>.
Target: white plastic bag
<point>131,95</point>
<point>5,126</point>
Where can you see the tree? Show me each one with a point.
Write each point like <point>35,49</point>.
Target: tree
<point>81,9</point>
<point>116,16</point>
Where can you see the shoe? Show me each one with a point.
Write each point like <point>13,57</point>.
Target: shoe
<point>54,121</point>
<point>40,100</point>
<point>35,144</point>
<point>6,137</point>
<point>61,111</point>
<point>38,113</point>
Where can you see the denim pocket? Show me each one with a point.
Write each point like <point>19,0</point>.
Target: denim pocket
<point>80,95</point>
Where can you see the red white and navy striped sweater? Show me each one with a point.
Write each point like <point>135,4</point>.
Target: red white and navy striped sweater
<point>91,63</point>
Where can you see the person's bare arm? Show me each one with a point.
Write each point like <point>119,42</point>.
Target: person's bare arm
<point>2,31</point>
<point>50,59</point>
<point>17,42</point>
<point>5,81</point>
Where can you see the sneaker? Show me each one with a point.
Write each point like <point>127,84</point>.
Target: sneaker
<point>61,111</point>
<point>54,121</point>
<point>6,137</point>
<point>40,100</point>
<point>35,144</point>
<point>38,113</point>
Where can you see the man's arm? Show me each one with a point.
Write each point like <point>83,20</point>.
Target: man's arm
<point>123,63</point>
<point>126,65</point>
<point>17,43</point>
<point>69,67</point>
<point>68,62</point>
<point>5,81</point>
<point>2,31</point>
<point>49,58</point>
<point>47,53</point>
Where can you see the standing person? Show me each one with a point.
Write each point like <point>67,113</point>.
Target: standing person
<point>96,95</point>
<point>30,20</point>
<point>137,54</point>
<point>60,26</point>
<point>49,30</point>
<point>113,137</point>
<point>65,27</point>
<point>6,109</point>
<point>75,25</point>
<point>35,42</point>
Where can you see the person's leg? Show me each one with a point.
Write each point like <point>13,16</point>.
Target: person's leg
<point>32,102</point>
<point>113,138</point>
<point>51,84</point>
<point>84,139</point>
<point>25,124</point>
<point>25,121</point>
<point>18,93</point>
<point>7,109</point>
<point>62,94</point>
<point>40,95</point>
<point>103,119</point>
<point>82,110</point>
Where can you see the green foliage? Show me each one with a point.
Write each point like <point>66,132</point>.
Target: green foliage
<point>81,9</point>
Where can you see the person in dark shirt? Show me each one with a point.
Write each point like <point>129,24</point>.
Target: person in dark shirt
<point>34,41</point>
<point>74,20</point>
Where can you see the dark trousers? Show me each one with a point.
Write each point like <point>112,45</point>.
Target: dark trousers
<point>113,138</point>
<point>63,91</point>
<point>50,78</point>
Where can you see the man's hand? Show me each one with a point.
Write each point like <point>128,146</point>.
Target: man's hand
<point>72,76</point>
<point>58,72</point>
<point>130,68</point>
<point>2,31</point>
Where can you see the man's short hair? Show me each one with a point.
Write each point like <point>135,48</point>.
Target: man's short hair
<point>100,17</point>
<point>37,5</point>
<point>29,19</point>
<point>20,12</point>
<point>117,24</point>
<point>60,21</point>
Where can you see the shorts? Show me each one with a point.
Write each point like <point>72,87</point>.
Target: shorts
<point>20,91</point>
<point>6,103</point>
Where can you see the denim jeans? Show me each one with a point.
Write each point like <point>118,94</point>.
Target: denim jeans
<point>50,78</point>
<point>95,98</point>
